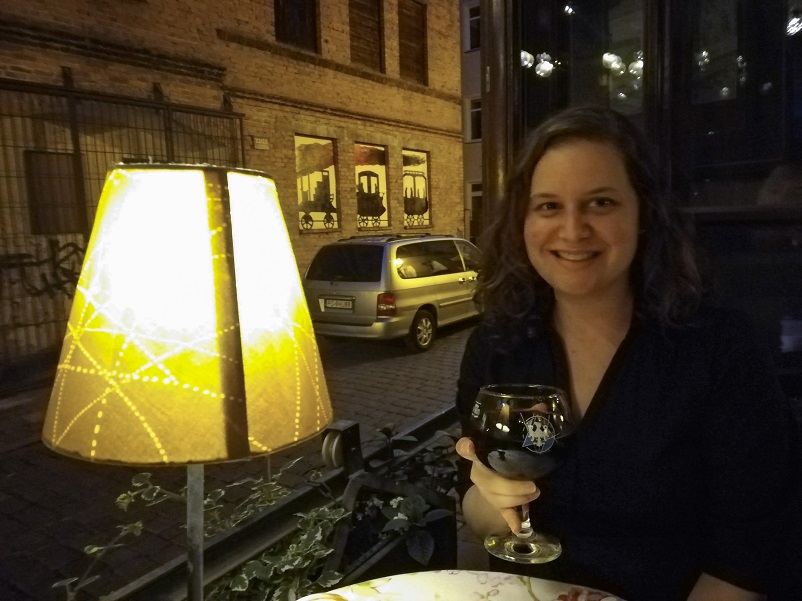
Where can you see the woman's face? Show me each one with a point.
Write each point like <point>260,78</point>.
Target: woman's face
<point>581,227</point>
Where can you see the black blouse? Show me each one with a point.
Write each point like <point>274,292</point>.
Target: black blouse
<point>682,464</point>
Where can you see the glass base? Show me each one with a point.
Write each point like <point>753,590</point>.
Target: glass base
<point>535,548</point>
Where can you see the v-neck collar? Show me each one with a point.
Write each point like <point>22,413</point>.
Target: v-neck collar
<point>602,394</point>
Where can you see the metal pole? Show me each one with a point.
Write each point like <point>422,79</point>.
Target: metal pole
<point>496,134</point>
<point>195,532</point>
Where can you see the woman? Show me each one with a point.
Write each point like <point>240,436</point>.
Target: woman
<point>680,468</point>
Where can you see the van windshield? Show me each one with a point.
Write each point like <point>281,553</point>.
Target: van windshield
<point>349,263</point>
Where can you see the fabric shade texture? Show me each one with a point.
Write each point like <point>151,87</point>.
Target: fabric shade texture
<point>189,338</point>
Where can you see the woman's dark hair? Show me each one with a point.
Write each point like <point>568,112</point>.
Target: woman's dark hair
<point>665,276</point>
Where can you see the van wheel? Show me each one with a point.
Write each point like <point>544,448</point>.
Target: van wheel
<point>421,332</point>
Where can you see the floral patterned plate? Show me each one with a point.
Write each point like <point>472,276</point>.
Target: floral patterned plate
<point>461,585</point>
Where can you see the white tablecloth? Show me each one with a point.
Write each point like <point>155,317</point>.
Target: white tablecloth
<point>461,585</point>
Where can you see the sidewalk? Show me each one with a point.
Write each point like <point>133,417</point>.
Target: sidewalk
<point>51,506</point>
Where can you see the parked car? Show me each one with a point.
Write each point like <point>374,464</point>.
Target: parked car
<point>395,286</point>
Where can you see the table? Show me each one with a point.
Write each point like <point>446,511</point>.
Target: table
<point>461,585</point>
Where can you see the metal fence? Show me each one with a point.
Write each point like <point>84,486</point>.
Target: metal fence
<point>56,146</point>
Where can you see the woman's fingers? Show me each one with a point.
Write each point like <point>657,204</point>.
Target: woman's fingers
<point>505,494</point>
<point>512,516</point>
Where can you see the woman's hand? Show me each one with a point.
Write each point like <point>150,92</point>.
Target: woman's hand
<point>505,495</point>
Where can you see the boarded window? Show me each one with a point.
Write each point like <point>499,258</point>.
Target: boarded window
<point>52,198</point>
<point>412,40</point>
<point>366,33</point>
<point>296,23</point>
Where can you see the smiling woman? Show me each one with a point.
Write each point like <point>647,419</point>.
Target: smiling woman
<point>589,284</point>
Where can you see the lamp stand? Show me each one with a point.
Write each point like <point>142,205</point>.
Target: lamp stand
<point>195,532</point>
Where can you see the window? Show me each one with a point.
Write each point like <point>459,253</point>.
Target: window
<point>474,119</point>
<point>54,205</point>
<point>412,40</point>
<point>351,263</point>
<point>296,23</point>
<point>370,164</point>
<point>316,182</point>
<point>366,33</point>
<point>416,188</point>
<point>473,28</point>
<point>427,259</point>
<point>471,256</point>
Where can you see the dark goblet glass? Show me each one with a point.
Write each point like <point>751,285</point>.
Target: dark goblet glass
<point>519,430</point>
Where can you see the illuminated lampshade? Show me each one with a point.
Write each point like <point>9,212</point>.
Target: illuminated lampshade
<point>189,339</point>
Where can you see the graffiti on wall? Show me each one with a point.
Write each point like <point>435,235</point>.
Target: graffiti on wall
<point>55,273</point>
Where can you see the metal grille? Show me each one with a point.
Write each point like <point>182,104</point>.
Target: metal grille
<point>56,147</point>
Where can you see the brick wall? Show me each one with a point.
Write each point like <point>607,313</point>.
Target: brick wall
<point>201,52</point>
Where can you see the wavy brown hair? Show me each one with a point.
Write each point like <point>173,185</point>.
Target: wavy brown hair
<point>665,276</point>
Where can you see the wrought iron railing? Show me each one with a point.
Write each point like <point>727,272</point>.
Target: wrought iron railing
<point>56,145</point>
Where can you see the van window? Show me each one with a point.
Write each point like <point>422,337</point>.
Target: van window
<point>348,263</point>
<point>470,254</point>
<point>425,259</point>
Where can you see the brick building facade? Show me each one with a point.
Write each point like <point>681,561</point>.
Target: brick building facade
<point>323,96</point>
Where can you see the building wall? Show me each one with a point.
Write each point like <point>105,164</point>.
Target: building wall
<point>471,67</point>
<point>224,56</point>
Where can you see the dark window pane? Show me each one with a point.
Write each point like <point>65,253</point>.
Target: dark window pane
<point>757,267</point>
<point>476,119</point>
<point>474,39</point>
<point>54,206</point>
<point>412,40</point>
<point>349,263</point>
<point>296,23</point>
<point>366,33</point>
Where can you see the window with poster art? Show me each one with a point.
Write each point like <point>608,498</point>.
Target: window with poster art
<point>370,165</point>
<point>416,188</point>
<point>316,182</point>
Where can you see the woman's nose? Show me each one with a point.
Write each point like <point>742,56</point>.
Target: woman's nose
<point>574,226</point>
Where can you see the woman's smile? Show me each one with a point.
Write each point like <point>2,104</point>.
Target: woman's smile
<point>575,256</point>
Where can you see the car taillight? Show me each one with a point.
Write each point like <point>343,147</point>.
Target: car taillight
<point>385,304</point>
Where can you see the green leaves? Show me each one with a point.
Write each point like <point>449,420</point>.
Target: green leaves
<point>293,568</point>
<point>420,545</point>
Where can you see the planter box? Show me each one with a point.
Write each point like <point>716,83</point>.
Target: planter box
<point>359,551</point>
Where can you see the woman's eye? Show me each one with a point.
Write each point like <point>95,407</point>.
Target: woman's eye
<point>544,207</point>
<point>602,202</point>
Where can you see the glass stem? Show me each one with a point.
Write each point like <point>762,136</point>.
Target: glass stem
<point>526,526</point>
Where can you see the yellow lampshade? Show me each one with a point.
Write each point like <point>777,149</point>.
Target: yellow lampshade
<point>189,339</point>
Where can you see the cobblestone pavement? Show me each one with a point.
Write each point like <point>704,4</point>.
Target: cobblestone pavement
<point>51,507</point>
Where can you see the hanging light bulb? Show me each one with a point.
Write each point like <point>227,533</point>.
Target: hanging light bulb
<point>544,69</point>
<point>702,59</point>
<point>794,24</point>
<point>608,59</point>
<point>636,66</point>
<point>544,65</point>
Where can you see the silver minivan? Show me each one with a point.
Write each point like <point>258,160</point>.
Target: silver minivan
<point>395,286</point>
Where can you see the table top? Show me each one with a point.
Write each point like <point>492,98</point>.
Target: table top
<point>461,585</point>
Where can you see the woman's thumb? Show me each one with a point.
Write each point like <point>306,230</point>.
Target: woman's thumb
<point>466,449</point>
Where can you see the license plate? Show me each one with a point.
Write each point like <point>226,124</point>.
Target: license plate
<point>336,303</point>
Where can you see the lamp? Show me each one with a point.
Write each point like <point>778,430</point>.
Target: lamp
<point>189,340</point>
